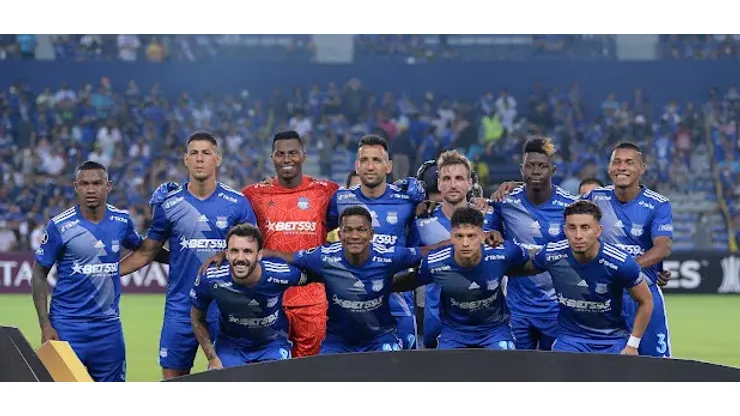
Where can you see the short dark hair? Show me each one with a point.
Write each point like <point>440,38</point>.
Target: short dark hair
<point>91,165</point>
<point>202,135</point>
<point>467,216</point>
<point>350,176</point>
<point>539,144</point>
<point>628,145</point>
<point>286,135</point>
<point>247,231</point>
<point>583,207</point>
<point>589,181</point>
<point>356,210</point>
<point>373,140</point>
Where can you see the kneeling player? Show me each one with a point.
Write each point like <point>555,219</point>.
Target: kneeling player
<point>249,294</point>
<point>473,309</point>
<point>589,278</point>
<point>358,277</point>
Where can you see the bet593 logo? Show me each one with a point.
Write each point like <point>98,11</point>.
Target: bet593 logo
<point>385,239</point>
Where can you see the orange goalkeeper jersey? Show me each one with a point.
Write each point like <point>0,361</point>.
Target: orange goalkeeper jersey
<point>293,219</point>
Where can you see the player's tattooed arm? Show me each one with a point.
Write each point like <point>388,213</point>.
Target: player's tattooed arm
<point>404,282</point>
<point>527,269</point>
<point>200,329</point>
<point>142,256</point>
<point>40,294</point>
<point>662,247</point>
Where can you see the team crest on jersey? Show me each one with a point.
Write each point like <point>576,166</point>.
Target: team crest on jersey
<point>636,230</point>
<point>378,285</point>
<point>492,285</point>
<point>600,288</point>
<point>392,217</point>
<point>272,302</point>
<point>554,229</point>
<point>302,203</point>
<point>115,245</point>
<point>222,222</point>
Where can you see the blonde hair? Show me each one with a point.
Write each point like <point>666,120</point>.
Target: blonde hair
<point>453,157</point>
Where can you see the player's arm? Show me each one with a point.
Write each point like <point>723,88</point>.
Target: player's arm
<point>200,301</point>
<point>286,256</point>
<point>145,254</point>
<point>638,289</point>
<point>133,240</point>
<point>535,264</point>
<point>332,213</point>
<point>661,228</point>
<point>306,260</point>
<point>407,281</point>
<point>504,190</point>
<point>46,255</point>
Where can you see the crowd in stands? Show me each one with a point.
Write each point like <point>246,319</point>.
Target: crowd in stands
<point>700,47</point>
<point>139,131</point>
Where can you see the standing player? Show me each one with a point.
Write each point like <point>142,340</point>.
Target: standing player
<point>392,211</point>
<point>472,308</point>
<point>589,184</point>
<point>640,222</point>
<point>590,277</point>
<point>454,182</point>
<point>194,218</point>
<point>532,216</point>
<point>249,294</point>
<point>85,242</point>
<point>358,276</point>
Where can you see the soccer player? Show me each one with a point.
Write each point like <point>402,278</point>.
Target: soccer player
<point>589,184</point>
<point>472,307</point>
<point>590,276</point>
<point>532,216</point>
<point>194,218</point>
<point>358,276</point>
<point>639,221</point>
<point>249,294</point>
<point>85,243</point>
<point>454,182</point>
<point>392,211</point>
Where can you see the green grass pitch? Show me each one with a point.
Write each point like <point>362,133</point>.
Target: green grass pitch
<point>702,328</point>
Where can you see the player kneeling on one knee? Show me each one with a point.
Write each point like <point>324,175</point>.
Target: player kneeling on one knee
<point>473,310</point>
<point>249,294</point>
<point>589,277</point>
<point>358,277</point>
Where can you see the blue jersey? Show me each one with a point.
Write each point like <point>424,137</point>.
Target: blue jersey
<point>196,230</point>
<point>436,228</point>
<point>87,256</point>
<point>532,226</point>
<point>590,295</point>
<point>392,214</point>
<point>632,226</point>
<point>472,298</point>
<point>358,296</point>
<point>249,316</point>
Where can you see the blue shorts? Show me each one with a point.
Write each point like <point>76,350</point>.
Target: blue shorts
<point>532,333</point>
<point>232,355</point>
<point>567,343</point>
<point>498,338</point>
<point>178,345</point>
<point>99,346</point>
<point>334,344</point>
<point>407,331</point>
<point>432,323</point>
<point>656,342</point>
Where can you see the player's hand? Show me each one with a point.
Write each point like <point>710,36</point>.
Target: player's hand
<point>480,204</point>
<point>48,333</point>
<point>493,238</point>
<point>504,190</point>
<point>217,259</point>
<point>629,351</point>
<point>159,193</point>
<point>215,364</point>
<point>412,187</point>
<point>663,278</point>
<point>425,209</point>
<point>268,180</point>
